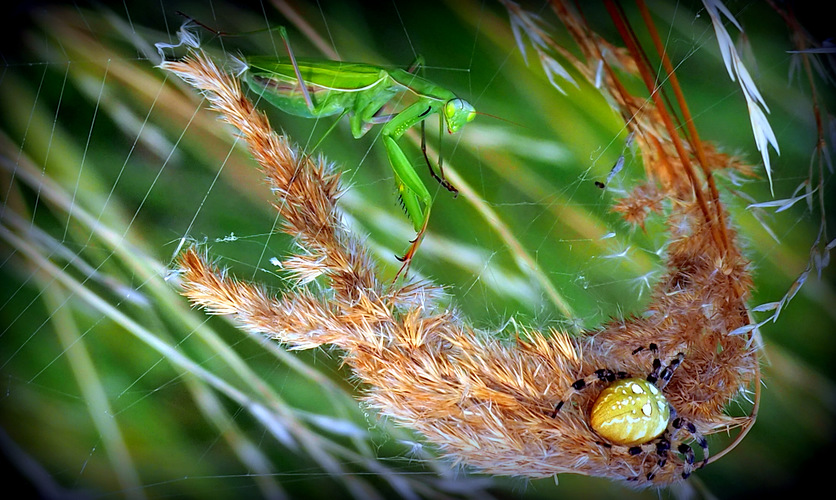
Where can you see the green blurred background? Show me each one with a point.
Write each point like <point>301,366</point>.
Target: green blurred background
<point>113,386</point>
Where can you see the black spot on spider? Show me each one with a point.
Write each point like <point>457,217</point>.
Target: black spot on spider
<point>635,450</point>
<point>579,384</point>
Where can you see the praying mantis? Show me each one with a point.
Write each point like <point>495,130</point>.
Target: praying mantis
<point>368,94</point>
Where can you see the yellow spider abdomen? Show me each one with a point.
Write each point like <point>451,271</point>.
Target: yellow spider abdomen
<point>630,412</point>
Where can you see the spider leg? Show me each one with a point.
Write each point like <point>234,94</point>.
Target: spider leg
<point>688,453</point>
<point>602,374</point>
<point>690,428</point>
<point>667,372</point>
<point>659,446</point>
<point>652,347</point>
<point>701,441</point>
<point>660,374</point>
<point>663,446</point>
<point>653,376</point>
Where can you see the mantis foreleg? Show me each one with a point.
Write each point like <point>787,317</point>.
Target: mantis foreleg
<point>414,195</point>
<point>439,177</point>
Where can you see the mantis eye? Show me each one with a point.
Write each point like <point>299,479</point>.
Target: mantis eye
<point>450,109</point>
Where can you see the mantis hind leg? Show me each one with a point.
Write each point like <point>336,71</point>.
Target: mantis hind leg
<point>285,38</point>
<point>416,65</point>
<point>302,86</point>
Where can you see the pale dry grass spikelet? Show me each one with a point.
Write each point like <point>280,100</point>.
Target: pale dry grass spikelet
<point>762,130</point>
<point>485,402</point>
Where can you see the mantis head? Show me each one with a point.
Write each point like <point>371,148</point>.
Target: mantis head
<point>457,112</point>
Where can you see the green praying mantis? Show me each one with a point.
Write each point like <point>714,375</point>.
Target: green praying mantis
<point>316,89</point>
<point>369,95</point>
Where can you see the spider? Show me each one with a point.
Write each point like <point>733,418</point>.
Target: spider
<point>634,413</point>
